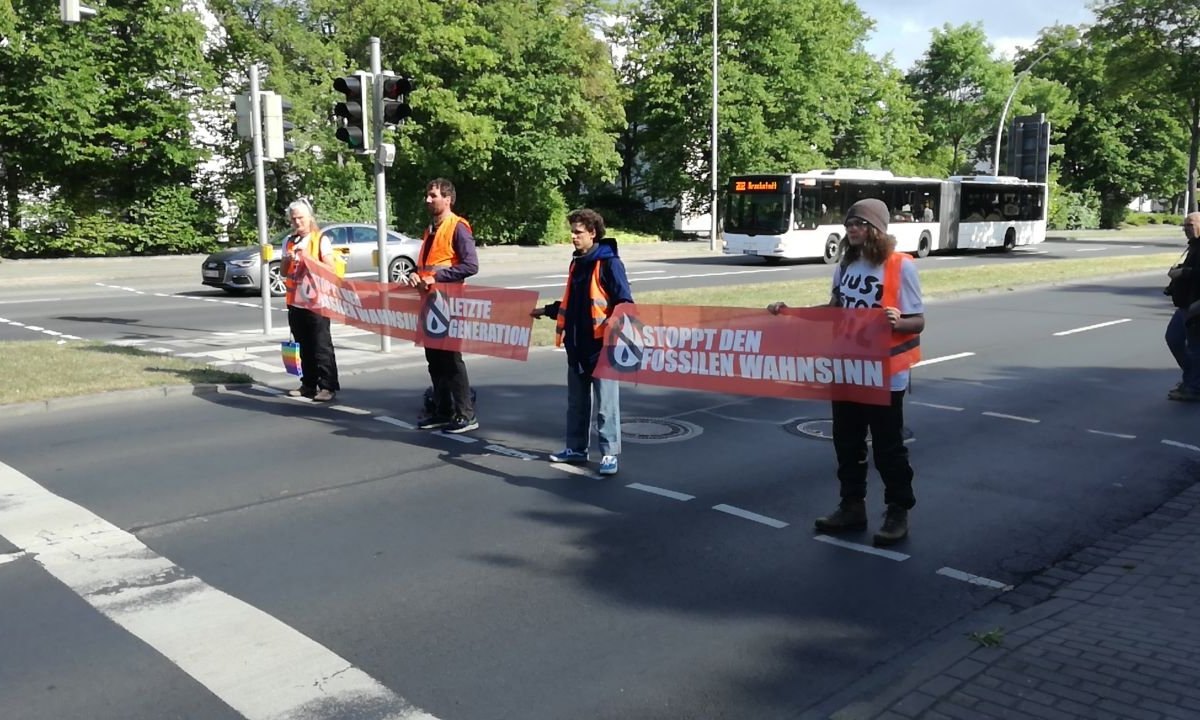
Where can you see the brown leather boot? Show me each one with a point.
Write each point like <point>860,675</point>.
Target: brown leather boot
<point>894,528</point>
<point>850,515</point>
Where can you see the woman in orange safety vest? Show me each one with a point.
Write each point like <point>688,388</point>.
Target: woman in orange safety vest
<point>318,365</point>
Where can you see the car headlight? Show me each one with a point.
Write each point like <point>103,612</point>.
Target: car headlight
<point>244,263</point>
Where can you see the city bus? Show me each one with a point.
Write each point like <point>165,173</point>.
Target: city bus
<point>799,215</point>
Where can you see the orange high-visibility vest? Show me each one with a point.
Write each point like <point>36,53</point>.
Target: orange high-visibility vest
<point>599,305</point>
<point>440,252</point>
<point>906,347</point>
<point>290,271</point>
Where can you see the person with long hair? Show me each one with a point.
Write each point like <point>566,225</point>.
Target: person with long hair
<point>871,274</point>
<point>318,364</point>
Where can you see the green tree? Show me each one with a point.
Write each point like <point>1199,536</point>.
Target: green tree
<point>1120,141</point>
<point>962,89</point>
<point>1156,49</point>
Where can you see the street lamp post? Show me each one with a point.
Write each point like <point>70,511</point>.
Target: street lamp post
<point>1004,113</point>
<point>712,224</point>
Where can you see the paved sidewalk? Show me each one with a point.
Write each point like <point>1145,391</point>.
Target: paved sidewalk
<point>1112,633</point>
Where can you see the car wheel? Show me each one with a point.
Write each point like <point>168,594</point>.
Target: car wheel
<point>275,280</point>
<point>833,249</point>
<point>399,269</point>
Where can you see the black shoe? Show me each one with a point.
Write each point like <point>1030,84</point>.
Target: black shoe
<point>461,424</point>
<point>850,515</point>
<point>895,526</point>
<point>432,422</point>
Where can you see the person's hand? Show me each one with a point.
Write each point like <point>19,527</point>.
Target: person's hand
<point>1174,273</point>
<point>775,307</point>
<point>893,315</point>
<point>537,313</point>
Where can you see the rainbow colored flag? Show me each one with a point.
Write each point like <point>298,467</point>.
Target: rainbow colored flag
<point>290,352</point>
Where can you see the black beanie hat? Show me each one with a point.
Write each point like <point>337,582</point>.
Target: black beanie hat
<point>872,210</point>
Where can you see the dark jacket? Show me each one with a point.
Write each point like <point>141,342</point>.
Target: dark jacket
<point>1185,289</point>
<point>582,346</point>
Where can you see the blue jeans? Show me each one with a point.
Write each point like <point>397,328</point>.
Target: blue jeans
<point>581,388</point>
<point>1184,343</point>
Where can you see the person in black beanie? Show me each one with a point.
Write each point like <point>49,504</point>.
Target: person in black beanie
<point>872,274</point>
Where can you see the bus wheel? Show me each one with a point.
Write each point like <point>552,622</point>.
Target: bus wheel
<point>833,249</point>
<point>923,246</point>
<point>1010,240</point>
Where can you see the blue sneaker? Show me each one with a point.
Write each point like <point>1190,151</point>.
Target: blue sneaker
<point>575,457</point>
<point>608,465</point>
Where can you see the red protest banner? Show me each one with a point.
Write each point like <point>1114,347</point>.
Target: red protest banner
<point>814,354</point>
<point>471,319</point>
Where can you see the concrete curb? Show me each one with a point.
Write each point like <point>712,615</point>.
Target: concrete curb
<point>115,396</point>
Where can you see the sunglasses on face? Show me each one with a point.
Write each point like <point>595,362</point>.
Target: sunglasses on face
<point>857,223</point>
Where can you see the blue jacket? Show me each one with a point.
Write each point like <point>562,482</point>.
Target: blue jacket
<point>582,346</point>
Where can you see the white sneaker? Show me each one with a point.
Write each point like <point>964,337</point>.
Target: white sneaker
<point>608,465</point>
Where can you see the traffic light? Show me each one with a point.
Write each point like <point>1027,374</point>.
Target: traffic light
<point>395,99</point>
<point>275,128</point>
<point>354,111</point>
<point>245,120</point>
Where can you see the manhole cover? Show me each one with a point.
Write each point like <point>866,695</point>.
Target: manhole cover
<point>657,430</point>
<point>822,429</point>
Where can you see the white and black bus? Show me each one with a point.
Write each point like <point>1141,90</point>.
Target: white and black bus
<point>800,215</point>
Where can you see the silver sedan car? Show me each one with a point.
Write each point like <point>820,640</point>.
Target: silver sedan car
<point>236,270</point>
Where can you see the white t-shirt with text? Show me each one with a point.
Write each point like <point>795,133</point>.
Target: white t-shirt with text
<point>860,285</point>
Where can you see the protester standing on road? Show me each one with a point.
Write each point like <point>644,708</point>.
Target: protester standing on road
<point>318,365</point>
<point>872,274</point>
<point>1183,332</point>
<point>447,256</point>
<point>596,284</point>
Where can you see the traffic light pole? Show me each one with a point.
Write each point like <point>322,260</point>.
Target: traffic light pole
<point>260,197</point>
<point>385,340</point>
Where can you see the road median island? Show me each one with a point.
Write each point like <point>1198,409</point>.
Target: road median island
<point>45,370</point>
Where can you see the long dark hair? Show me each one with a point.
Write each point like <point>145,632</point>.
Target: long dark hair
<point>876,250</point>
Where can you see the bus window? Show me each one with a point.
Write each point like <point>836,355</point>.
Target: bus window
<point>757,213</point>
<point>808,208</point>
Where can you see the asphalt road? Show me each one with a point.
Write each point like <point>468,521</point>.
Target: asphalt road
<point>474,580</point>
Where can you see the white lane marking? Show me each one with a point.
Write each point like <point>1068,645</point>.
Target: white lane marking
<point>1018,418</point>
<point>646,272</point>
<point>1122,436</point>
<point>550,277</point>
<point>279,672</point>
<point>22,302</point>
<point>944,358</point>
<point>265,367</point>
<point>1035,252</point>
<point>576,470</point>
<point>393,421</point>
<point>669,277</point>
<point>747,515</point>
<point>1093,327</point>
<point>349,410</point>
<point>509,452</point>
<point>10,557</point>
<point>18,324</point>
<point>458,438</point>
<point>858,547</point>
<point>661,491</point>
<point>1099,249</point>
<point>268,389</point>
<point>1134,247</point>
<point>947,258</point>
<point>936,406</point>
<point>1185,446</point>
<point>974,579</point>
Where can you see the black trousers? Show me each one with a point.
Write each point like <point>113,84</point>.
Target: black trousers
<point>851,421</point>
<point>317,362</point>
<point>451,386</point>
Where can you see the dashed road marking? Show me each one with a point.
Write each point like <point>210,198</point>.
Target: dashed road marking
<point>935,406</point>
<point>1097,326</point>
<point>1018,418</point>
<point>1185,446</point>
<point>393,421</point>
<point>464,439</point>
<point>858,547</point>
<point>974,579</point>
<point>576,470</point>
<point>747,515</point>
<point>509,452</point>
<point>934,361</point>
<point>349,410</point>
<point>661,492</point>
<point>1122,436</point>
